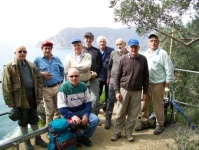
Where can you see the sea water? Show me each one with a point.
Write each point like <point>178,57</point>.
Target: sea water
<point>8,128</point>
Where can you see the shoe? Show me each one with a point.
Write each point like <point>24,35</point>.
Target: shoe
<point>86,142</point>
<point>158,130</point>
<point>107,124</point>
<point>141,127</point>
<point>40,142</point>
<point>79,143</point>
<point>28,145</point>
<point>130,138</point>
<point>115,137</point>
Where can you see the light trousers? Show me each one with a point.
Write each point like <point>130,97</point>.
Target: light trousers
<point>127,111</point>
<point>50,103</point>
<point>155,95</point>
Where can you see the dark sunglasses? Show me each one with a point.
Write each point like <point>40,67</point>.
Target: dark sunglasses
<point>22,51</point>
<point>74,76</point>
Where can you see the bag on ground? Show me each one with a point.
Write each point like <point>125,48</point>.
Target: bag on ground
<point>60,135</point>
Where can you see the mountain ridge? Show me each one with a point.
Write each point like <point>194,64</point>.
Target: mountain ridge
<point>63,38</point>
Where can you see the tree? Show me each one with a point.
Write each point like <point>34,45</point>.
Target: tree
<point>183,57</point>
<point>150,15</point>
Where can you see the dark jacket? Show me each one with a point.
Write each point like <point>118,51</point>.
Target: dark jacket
<point>105,60</point>
<point>95,56</point>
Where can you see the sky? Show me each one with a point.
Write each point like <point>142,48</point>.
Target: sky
<point>37,20</point>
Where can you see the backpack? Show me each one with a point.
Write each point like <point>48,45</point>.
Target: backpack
<point>60,135</point>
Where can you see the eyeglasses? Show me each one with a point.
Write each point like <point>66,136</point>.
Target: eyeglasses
<point>22,51</point>
<point>75,76</point>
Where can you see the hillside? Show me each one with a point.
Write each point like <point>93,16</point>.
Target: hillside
<point>63,38</point>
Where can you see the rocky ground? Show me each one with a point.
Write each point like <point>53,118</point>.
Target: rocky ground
<point>144,140</point>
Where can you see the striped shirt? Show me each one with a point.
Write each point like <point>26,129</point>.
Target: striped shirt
<point>73,99</point>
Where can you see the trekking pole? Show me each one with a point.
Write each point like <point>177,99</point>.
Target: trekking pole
<point>4,113</point>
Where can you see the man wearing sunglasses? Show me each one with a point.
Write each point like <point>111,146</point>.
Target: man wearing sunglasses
<point>22,88</point>
<point>75,103</point>
<point>52,71</point>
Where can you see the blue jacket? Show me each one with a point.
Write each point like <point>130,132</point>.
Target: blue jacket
<point>105,60</point>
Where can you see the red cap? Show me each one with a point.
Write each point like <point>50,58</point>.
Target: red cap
<point>46,43</point>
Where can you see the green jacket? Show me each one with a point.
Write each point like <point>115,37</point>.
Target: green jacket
<point>13,88</point>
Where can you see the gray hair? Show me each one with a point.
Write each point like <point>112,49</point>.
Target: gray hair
<point>101,37</point>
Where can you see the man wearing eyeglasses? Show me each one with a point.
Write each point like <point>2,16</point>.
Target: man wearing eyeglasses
<point>52,71</point>
<point>79,60</point>
<point>161,74</point>
<point>22,88</point>
<point>75,103</point>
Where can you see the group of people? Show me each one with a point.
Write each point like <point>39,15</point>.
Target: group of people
<point>73,89</point>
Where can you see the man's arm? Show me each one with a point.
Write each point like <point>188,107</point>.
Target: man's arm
<point>85,65</point>
<point>62,106</point>
<point>7,87</point>
<point>109,69</point>
<point>145,81</point>
<point>169,69</point>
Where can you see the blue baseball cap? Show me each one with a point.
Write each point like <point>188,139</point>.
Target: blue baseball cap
<point>133,42</point>
<point>76,40</point>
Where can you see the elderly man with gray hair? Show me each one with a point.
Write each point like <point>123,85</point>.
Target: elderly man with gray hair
<point>23,88</point>
<point>105,53</point>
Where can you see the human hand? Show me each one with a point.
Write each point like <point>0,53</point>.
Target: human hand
<point>38,101</point>
<point>85,120</point>
<point>144,97</point>
<point>93,74</point>
<point>76,120</point>
<point>46,75</point>
<point>107,81</point>
<point>167,85</point>
<point>119,97</point>
<point>11,105</point>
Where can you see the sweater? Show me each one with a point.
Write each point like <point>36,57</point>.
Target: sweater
<point>73,99</point>
<point>132,74</point>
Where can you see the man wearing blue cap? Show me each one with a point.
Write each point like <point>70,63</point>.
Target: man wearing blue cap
<point>79,60</point>
<point>131,77</point>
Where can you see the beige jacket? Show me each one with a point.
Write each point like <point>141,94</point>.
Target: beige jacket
<point>83,65</point>
<point>13,88</point>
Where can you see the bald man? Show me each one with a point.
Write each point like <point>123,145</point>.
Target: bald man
<point>112,66</point>
<point>75,103</point>
<point>22,88</point>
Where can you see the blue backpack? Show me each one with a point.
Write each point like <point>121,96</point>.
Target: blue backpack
<point>61,136</point>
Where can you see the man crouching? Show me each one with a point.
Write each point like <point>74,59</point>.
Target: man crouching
<point>74,102</point>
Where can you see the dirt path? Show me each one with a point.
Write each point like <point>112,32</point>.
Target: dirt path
<point>144,140</point>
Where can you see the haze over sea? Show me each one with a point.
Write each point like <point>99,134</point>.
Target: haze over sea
<point>8,128</point>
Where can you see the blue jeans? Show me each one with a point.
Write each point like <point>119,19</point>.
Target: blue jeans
<point>92,124</point>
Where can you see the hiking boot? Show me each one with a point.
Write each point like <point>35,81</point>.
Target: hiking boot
<point>40,142</point>
<point>79,143</point>
<point>86,142</point>
<point>142,126</point>
<point>28,145</point>
<point>115,137</point>
<point>130,138</point>
<point>107,124</point>
<point>158,130</point>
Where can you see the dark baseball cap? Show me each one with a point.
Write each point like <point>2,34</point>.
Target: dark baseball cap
<point>88,34</point>
<point>153,35</point>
